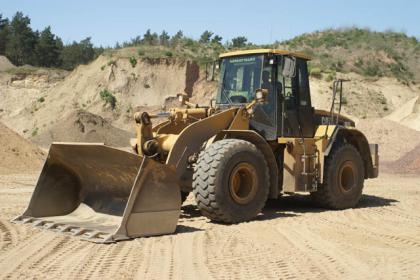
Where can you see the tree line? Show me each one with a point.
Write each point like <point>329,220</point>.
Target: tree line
<point>23,45</point>
<point>179,39</point>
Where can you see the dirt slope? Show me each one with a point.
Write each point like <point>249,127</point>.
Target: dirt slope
<point>38,101</point>
<point>364,98</point>
<point>18,155</point>
<point>82,126</point>
<point>290,240</point>
<point>148,83</point>
<point>5,64</point>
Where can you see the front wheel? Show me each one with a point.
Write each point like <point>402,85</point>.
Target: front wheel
<point>231,181</point>
<point>343,179</point>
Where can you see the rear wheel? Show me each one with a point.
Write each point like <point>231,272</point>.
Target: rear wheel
<point>231,181</point>
<point>343,179</point>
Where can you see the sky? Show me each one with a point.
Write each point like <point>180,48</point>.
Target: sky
<point>260,21</point>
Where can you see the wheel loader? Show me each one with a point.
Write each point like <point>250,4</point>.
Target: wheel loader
<point>259,139</point>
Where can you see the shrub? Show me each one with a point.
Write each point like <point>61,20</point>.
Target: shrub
<point>359,62</point>
<point>168,54</point>
<point>103,67</point>
<point>133,61</point>
<point>372,70</point>
<point>41,99</point>
<point>330,77</point>
<point>108,97</point>
<point>34,132</point>
<point>338,65</point>
<point>140,52</point>
<point>316,72</point>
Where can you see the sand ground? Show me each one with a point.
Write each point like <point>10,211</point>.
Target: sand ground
<point>379,240</point>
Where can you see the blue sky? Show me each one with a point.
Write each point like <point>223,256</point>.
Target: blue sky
<point>260,21</point>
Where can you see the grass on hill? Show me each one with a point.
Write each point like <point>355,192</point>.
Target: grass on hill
<point>369,53</point>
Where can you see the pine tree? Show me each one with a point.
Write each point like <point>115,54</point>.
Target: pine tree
<point>205,37</point>
<point>150,38</point>
<point>217,39</point>
<point>164,38</point>
<point>88,52</point>
<point>239,42</point>
<point>21,40</point>
<point>47,49</point>
<point>77,53</point>
<point>176,39</point>
<point>4,32</point>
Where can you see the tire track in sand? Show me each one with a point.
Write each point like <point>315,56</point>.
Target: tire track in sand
<point>7,237</point>
<point>188,257</point>
<point>158,262</point>
<point>400,248</point>
<point>91,259</point>
<point>24,260</point>
<point>244,257</point>
<point>120,262</point>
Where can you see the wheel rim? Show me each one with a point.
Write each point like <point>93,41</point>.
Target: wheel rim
<point>243,183</point>
<point>347,178</point>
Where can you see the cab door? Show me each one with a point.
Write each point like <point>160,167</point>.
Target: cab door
<point>297,118</point>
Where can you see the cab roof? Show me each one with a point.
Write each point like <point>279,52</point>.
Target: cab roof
<point>265,51</point>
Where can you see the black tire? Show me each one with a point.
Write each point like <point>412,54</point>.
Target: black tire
<point>343,179</point>
<point>184,196</point>
<point>231,181</point>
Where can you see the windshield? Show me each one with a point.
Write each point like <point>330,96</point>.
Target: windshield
<point>240,77</point>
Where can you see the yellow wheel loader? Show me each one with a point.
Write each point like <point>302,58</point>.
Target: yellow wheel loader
<point>261,138</point>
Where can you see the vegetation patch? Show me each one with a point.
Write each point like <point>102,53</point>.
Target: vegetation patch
<point>316,72</point>
<point>109,98</point>
<point>112,63</point>
<point>133,61</point>
<point>34,132</point>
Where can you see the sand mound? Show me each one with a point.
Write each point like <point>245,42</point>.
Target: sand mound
<point>17,154</point>
<point>82,126</point>
<point>408,114</point>
<point>5,64</point>
<point>409,163</point>
<point>394,140</point>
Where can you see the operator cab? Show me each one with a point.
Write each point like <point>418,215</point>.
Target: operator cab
<point>288,111</point>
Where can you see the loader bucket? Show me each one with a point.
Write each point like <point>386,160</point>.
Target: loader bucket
<point>103,194</point>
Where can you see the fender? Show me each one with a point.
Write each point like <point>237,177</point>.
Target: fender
<point>358,140</point>
<point>191,138</point>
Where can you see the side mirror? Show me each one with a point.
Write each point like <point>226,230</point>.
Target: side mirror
<point>261,95</point>
<point>289,67</point>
